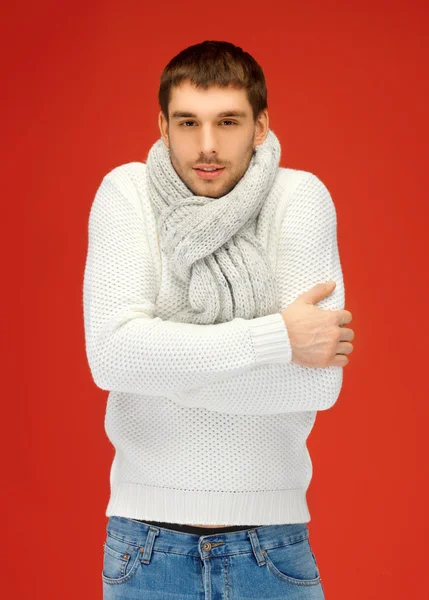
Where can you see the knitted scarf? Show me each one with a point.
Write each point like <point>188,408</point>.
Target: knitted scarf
<point>211,243</point>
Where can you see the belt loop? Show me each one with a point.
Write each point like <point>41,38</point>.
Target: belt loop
<point>254,540</point>
<point>152,533</point>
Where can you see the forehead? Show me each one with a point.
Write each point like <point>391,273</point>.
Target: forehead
<point>208,102</point>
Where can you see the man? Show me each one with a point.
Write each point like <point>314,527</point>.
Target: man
<point>203,270</point>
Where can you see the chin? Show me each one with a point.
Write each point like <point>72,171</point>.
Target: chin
<point>212,192</point>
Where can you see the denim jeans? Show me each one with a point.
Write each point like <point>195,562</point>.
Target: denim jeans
<point>142,561</point>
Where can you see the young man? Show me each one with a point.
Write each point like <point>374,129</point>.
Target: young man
<point>204,267</point>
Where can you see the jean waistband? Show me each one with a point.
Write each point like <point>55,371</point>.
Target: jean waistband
<point>214,544</point>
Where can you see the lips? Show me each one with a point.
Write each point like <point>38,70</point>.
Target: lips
<point>202,168</point>
<point>209,174</point>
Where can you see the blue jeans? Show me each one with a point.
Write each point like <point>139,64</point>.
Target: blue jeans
<point>263,562</point>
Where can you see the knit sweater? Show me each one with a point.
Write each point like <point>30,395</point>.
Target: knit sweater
<point>209,422</point>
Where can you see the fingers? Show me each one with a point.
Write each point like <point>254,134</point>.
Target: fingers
<point>339,360</point>
<point>344,348</point>
<point>346,334</point>
<point>344,316</point>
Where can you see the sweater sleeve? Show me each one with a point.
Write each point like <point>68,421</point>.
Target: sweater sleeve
<point>131,350</point>
<point>307,255</point>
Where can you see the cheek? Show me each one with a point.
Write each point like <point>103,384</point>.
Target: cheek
<point>182,159</point>
<point>240,167</point>
<point>179,163</point>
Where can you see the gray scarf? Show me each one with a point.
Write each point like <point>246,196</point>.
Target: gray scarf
<point>211,243</point>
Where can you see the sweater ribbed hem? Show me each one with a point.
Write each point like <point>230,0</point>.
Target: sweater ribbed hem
<point>270,339</point>
<point>168,505</point>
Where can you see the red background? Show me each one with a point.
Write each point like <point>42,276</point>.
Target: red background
<point>348,96</point>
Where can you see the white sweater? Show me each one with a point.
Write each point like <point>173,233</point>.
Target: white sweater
<point>209,422</point>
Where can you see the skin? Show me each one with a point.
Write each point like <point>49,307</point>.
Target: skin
<point>228,141</point>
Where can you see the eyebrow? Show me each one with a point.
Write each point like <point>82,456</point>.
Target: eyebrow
<point>179,114</point>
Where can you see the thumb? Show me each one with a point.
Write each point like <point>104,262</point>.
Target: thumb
<point>319,291</point>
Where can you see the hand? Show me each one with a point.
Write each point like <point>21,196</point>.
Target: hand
<point>317,336</point>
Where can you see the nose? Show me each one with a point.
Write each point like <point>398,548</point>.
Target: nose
<point>208,142</point>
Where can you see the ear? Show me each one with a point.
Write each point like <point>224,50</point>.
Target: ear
<point>163,127</point>
<point>261,128</point>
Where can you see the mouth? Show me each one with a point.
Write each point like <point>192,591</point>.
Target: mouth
<point>210,174</point>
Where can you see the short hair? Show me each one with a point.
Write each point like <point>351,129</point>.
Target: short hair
<point>215,63</point>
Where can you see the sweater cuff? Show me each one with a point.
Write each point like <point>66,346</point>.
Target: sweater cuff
<point>270,339</point>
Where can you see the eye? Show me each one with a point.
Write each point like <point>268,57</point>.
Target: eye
<point>185,123</point>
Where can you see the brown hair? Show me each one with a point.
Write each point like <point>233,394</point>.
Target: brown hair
<point>215,63</point>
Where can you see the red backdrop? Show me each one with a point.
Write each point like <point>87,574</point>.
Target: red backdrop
<point>348,97</point>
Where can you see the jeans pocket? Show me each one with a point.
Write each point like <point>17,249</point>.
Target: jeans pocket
<point>294,563</point>
<point>121,559</point>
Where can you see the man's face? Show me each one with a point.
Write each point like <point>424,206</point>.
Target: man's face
<point>211,127</point>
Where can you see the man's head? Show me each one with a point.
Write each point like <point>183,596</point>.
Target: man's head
<point>213,101</point>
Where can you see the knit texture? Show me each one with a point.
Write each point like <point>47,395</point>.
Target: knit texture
<point>209,422</point>
<point>211,243</point>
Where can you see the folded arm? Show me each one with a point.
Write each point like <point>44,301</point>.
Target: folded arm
<point>130,350</point>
